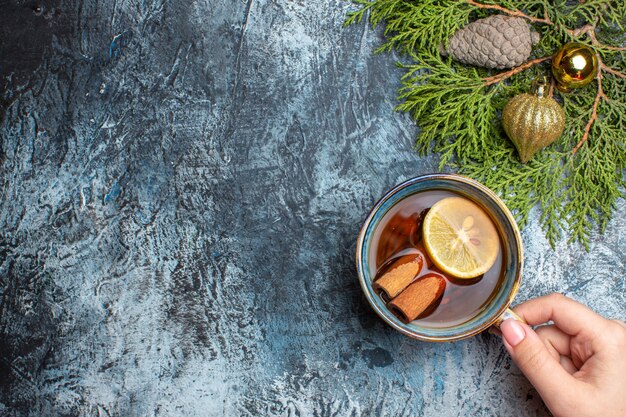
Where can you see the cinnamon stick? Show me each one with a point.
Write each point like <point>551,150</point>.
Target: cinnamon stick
<point>398,275</point>
<point>419,298</point>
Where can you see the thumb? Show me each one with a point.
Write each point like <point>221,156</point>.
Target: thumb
<point>533,359</point>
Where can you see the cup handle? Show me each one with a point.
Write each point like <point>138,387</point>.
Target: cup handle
<point>508,314</point>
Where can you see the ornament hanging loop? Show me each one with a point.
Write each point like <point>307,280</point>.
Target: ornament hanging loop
<point>540,86</point>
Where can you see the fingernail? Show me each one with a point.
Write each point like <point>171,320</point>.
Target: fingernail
<point>512,331</point>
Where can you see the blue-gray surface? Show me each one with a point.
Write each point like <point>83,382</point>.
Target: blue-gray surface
<point>182,183</point>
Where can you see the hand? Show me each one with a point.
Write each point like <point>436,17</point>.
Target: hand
<point>577,364</point>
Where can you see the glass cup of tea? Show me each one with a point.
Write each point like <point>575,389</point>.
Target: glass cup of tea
<point>403,266</point>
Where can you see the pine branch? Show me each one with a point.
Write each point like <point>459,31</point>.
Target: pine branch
<point>510,12</point>
<point>463,117</point>
<point>594,109</point>
<point>508,74</point>
<point>378,10</point>
<point>590,30</point>
<point>577,180</point>
<point>612,71</point>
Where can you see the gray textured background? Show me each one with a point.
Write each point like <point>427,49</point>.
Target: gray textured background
<point>182,183</point>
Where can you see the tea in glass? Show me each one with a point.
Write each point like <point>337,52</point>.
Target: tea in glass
<point>437,258</point>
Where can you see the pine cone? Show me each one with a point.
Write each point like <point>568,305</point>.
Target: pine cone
<point>493,42</point>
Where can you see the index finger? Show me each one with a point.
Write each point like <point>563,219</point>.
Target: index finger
<point>570,316</point>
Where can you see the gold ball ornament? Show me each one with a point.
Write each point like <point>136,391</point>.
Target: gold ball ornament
<point>573,66</point>
<point>533,121</point>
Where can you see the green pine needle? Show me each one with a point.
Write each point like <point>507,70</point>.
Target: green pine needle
<point>459,114</point>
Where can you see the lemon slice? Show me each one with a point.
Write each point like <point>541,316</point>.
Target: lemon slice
<point>460,237</point>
